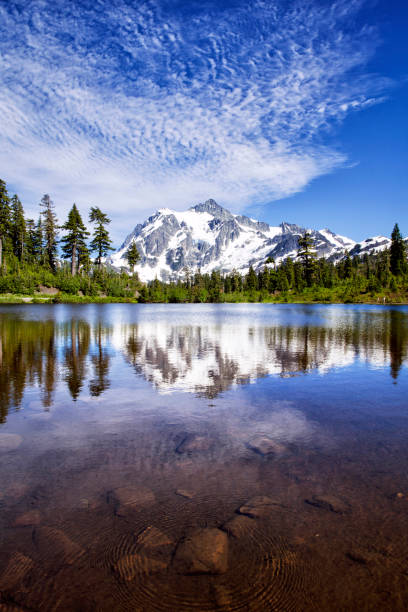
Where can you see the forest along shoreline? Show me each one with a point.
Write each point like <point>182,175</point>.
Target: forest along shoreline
<point>45,262</point>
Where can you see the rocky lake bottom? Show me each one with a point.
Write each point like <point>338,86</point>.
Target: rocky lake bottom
<point>203,457</point>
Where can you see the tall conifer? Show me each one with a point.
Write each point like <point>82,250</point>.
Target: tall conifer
<point>5,218</point>
<point>50,231</point>
<point>101,243</point>
<point>132,256</point>
<point>307,256</point>
<point>398,257</point>
<point>31,252</point>
<point>18,227</point>
<point>74,242</point>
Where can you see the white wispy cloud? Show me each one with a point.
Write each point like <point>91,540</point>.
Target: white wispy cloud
<point>132,106</point>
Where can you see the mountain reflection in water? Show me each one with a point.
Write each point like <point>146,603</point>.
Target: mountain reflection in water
<point>205,359</point>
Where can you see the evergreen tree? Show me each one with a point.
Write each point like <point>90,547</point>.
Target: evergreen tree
<point>101,243</point>
<point>251,280</point>
<point>132,256</point>
<point>5,218</point>
<point>263,279</point>
<point>366,262</point>
<point>84,262</point>
<point>18,227</point>
<point>214,286</point>
<point>50,231</point>
<point>31,252</point>
<point>299,280</point>
<point>236,281</point>
<point>282,280</point>
<point>227,284</point>
<point>270,260</point>
<point>290,271</point>
<point>307,256</point>
<point>382,268</point>
<point>398,258</point>
<point>74,242</point>
<point>348,266</point>
<point>39,242</point>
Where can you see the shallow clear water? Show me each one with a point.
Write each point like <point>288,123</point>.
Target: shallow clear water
<point>207,457</point>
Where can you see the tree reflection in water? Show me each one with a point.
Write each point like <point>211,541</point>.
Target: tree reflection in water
<point>204,359</point>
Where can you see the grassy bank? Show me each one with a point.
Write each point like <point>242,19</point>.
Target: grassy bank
<point>63,298</point>
<point>310,295</point>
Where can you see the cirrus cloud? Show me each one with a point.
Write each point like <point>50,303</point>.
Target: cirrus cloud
<point>132,106</point>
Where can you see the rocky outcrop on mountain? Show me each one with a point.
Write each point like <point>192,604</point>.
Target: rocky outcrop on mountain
<point>208,237</point>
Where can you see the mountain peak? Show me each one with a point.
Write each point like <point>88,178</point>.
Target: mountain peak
<point>291,228</point>
<point>165,211</point>
<point>209,237</point>
<point>210,206</point>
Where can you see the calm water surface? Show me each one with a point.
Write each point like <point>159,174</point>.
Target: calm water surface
<point>203,457</point>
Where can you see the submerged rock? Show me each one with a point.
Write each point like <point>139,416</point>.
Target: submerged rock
<point>131,498</point>
<point>129,566</point>
<point>9,442</point>
<point>205,551</point>
<point>263,445</point>
<point>184,493</point>
<point>194,443</point>
<point>367,557</point>
<point>151,537</point>
<point>358,556</point>
<point>13,493</point>
<point>238,526</point>
<point>329,502</point>
<point>55,546</point>
<point>89,503</point>
<point>32,517</point>
<point>258,507</point>
<point>18,566</point>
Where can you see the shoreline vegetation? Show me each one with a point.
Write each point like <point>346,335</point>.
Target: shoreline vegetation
<point>39,265</point>
<point>256,297</point>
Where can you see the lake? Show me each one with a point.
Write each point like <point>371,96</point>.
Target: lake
<point>203,457</point>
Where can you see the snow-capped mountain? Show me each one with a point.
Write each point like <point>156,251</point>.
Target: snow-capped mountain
<point>209,237</point>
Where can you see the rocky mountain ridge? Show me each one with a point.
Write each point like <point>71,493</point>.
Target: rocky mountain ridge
<point>209,237</point>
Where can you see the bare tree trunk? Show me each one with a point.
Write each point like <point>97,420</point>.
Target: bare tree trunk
<point>73,261</point>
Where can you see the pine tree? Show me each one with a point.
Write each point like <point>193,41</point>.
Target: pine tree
<point>74,242</point>
<point>366,263</point>
<point>83,258</point>
<point>290,271</point>
<point>18,227</point>
<point>132,256</point>
<point>398,258</point>
<point>307,256</point>
<point>5,218</point>
<point>50,231</point>
<point>382,268</point>
<point>39,242</point>
<point>30,240</point>
<point>348,266</point>
<point>101,243</point>
<point>251,280</point>
<point>282,280</point>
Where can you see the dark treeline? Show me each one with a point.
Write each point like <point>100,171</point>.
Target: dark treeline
<point>29,252</point>
<point>29,262</point>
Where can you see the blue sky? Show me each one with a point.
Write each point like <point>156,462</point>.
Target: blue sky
<point>282,110</point>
